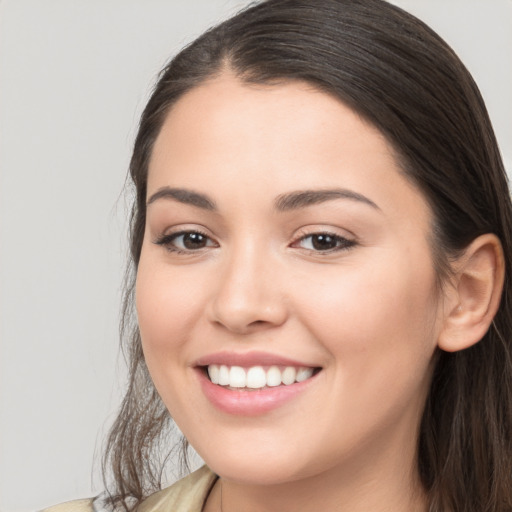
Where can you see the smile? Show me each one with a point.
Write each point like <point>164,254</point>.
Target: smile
<point>253,383</point>
<point>257,377</point>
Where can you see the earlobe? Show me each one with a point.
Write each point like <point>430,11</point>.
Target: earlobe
<point>475,297</point>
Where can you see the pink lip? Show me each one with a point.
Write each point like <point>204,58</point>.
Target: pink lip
<point>249,359</point>
<point>245,402</point>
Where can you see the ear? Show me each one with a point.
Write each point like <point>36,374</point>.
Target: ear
<point>473,300</point>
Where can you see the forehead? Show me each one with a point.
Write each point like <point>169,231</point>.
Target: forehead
<point>294,107</point>
<point>273,138</point>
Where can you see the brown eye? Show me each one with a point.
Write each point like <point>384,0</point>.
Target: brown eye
<point>193,241</point>
<point>185,241</point>
<point>325,242</point>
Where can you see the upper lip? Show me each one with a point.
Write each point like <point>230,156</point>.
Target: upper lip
<point>248,359</point>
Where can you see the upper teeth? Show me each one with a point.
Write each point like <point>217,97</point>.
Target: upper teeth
<point>256,377</point>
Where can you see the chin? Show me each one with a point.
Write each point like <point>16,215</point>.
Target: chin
<point>249,474</point>
<point>247,466</point>
<point>258,468</point>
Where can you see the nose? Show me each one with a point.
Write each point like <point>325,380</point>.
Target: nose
<point>248,297</point>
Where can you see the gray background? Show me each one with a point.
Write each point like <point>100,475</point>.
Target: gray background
<point>74,76</point>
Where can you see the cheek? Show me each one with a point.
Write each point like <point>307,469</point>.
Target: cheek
<point>380,335</point>
<point>169,306</point>
<point>365,302</point>
<point>378,322</point>
<point>168,309</point>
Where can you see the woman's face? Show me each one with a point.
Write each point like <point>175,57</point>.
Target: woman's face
<point>283,243</point>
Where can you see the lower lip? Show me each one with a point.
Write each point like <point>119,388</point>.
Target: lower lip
<point>250,402</point>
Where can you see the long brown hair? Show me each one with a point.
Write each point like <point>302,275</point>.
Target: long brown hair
<point>403,78</point>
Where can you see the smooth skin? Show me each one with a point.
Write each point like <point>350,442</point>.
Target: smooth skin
<point>362,305</point>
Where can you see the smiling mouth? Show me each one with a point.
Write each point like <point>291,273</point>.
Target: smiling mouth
<point>257,377</point>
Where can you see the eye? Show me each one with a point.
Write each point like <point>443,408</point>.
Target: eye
<point>324,242</point>
<point>185,241</point>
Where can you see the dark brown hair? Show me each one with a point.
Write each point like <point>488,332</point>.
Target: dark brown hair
<point>403,78</point>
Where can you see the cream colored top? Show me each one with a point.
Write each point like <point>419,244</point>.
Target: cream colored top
<point>187,495</point>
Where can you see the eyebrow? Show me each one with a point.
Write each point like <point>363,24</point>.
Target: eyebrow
<point>284,202</point>
<point>185,196</point>
<point>303,198</point>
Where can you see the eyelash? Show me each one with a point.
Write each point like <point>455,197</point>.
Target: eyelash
<point>168,242</point>
<point>342,243</point>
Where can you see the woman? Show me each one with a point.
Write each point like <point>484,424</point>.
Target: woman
<point>321,254</point>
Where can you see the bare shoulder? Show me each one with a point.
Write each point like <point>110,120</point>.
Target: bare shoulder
<point>73,506</point>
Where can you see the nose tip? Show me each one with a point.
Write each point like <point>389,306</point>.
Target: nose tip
<point>243,320</point>
<point>247,301</point>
